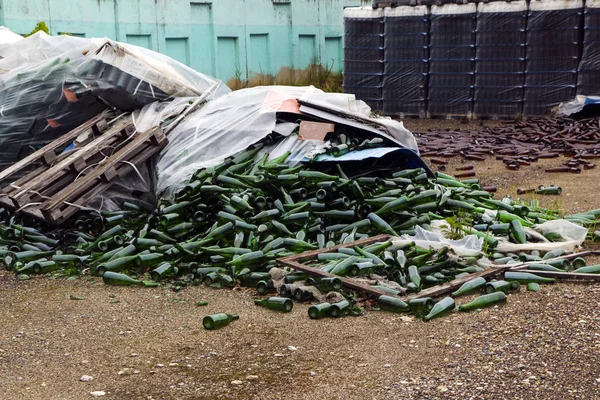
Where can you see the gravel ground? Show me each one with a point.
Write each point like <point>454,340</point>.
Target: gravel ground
<point>149,343</point>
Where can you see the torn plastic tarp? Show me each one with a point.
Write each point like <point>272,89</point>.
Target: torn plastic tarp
<point>50,85</point>
<point>233,122</point>
<point>578,104</point>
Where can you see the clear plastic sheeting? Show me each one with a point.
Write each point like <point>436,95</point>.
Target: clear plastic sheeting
<point>553,51</point>
<point>50,85</point>
<point>500,59</point>
<point>236,121</point>
<point>364,54</point>
<point>588,77</point>
<point>573,236</point>
<point>406,68</point>
<point>7,37</point>
<point>469,245</point>
<point>452,59</point>
<point>154,114</point>
<point>136,187</point>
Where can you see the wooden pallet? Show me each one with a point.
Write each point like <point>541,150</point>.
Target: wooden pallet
<point>62,184</point>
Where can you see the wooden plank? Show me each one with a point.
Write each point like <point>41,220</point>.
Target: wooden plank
<point>81,185</point>
<point>64,139</point>
<point>564,275</point>
<point>33,211</point>
<point>517,267</point>
<point>26,178</point>
<point>349,283</point>
<point>451,286</point>
<point>58,170</point>
<point>312,254</point>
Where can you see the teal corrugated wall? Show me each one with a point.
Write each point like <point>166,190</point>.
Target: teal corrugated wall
<point>223,38</point>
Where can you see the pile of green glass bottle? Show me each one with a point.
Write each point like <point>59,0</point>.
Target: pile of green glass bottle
<point>231,222</point>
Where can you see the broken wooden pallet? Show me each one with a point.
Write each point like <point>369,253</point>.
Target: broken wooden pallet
<point>62,184</point>
<point>296,262</point>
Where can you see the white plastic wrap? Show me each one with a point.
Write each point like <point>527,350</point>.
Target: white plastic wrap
<point>233,122</point>
<point>573,235</point>
<point>469,245</point>
<point>7,37</point>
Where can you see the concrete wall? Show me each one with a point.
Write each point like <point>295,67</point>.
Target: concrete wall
<point>223,38</point>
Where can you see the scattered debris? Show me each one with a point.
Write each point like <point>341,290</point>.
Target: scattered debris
<point>520,143</point>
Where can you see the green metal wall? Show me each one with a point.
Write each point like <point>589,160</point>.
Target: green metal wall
<point>223,38</point>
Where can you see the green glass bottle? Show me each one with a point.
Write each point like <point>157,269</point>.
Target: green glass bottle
<point>562,263</point>
<point>29,255</point>
<point>380,224</point>
<point>343,266</point>
<point>265,287</point>
<point>45,267</point>
<point>163,270</point>
<point>298,245</point>
<point>517,232</point>
<point>248,259</point>
<point>68,259</point>
<point>267,215</point>
<point>526,277</point>
<point>533,287</point>
<point>115,278</point>
<point>414,276</point>
<point>470,286</point>
<point>579,262</point>
<point>276,303</point>
<point>145,243</point>
<point>554,253</point>
<point>393,304</point>
<point>339,309</point>
<point>149,259</point>
<point>216,321</point>
<point>302,294</point>
<point>315,176</point>
<point>441,308</point>
<point>319,311</point>
<point>286,290</point>
<point>116,265</point>
<point>325,284</point>
<point>552,190</point>
<point>295,277</point>
<point>543,267</point>
<point>364,268</point>
<point>421,306</point>
<point>252,279</point>
<point>500,286</point>
<point>396,204</point>
<point>590,269</point>
<point>484,301</point>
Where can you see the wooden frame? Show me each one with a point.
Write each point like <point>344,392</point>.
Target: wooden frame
<point>295,262</point>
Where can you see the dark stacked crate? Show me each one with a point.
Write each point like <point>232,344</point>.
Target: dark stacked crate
<point>588,78</point>
<point>500,59</point>
<point>406,61</point>
<point>452,60</point>
<point>554,37</point>
<point>363,55</point>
